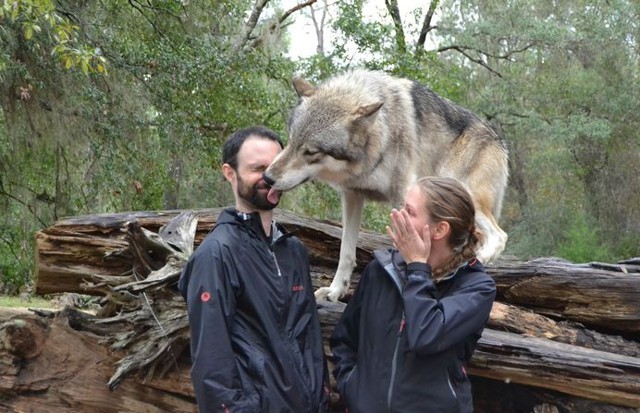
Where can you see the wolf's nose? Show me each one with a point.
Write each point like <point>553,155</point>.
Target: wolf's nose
<point>268,180</point>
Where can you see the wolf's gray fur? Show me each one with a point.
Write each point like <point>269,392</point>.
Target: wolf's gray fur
<point>371,135</point>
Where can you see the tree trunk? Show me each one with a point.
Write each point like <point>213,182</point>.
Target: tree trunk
<point>602,296</point>
<point>48,366</point>
<point>56,362</point>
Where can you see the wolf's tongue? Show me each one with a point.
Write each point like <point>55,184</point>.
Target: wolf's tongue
<point>273,196</point>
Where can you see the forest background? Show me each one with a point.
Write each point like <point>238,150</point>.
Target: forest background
<point>113,106</point>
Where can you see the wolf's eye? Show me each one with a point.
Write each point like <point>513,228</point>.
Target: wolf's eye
<point>312,155</point>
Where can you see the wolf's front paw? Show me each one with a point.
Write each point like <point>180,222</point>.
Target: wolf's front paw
<point>328,293</point>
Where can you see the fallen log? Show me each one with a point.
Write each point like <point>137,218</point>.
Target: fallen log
<point>601,296</point>
<point>153,331</point>
<point>493,396</point>
<point>505,317</point>
<point>76,247</point>
<point>58,362</point>
<point>574,370</point>
<point>47,366</point>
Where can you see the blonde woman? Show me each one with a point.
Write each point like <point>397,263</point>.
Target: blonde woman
<point>406,335</point>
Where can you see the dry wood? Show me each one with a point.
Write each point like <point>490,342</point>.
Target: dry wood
<point>603,296</point>
<point>574,370</point>
<point>505,317</point>
<point>76,247</point>
<point>50,367</point>
<point>599,295</point>
<point>60,363</point>
<point>492,396</point>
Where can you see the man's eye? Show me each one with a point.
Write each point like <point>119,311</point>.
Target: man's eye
<point>309,152</point>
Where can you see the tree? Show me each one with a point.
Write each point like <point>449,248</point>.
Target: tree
<point>144,135</point>
<point>559,82</point>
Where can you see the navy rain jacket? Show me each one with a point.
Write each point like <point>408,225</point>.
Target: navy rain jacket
<point>256,344</point>
<point>403,341</point>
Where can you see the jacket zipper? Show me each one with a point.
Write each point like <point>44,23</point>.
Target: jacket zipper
<point>273,255</point>
<point>453,390</point>
<point>394,362</point>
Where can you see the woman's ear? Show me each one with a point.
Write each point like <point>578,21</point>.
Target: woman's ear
<point>228,172</point>
<point>442,230</point>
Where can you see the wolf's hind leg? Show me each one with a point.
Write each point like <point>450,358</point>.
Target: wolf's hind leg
<point>352,204</point>
<point>495,238</point>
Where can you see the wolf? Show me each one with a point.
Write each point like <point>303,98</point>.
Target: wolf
<point>371,135</point>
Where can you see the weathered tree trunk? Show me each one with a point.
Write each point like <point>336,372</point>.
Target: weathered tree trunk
<point>505,317</point>
<point>598,295</point>
<point>59,364</point>
<point>134,259</point>
<point>48,366</point>
<point>76,247</point>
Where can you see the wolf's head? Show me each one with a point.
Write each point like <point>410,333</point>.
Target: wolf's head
<point>328,134</point>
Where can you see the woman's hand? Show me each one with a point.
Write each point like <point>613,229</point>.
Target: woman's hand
<point>413,246</point>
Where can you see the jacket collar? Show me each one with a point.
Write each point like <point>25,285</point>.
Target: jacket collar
<point>396,268</point>
<point>394,265</point>
<point>252,222</point>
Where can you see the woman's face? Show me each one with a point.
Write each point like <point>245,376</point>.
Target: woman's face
<point>415,203</point>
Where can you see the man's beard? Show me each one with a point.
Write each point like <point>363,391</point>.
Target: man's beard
<point>253,196</point>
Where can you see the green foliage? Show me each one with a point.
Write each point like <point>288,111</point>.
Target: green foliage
<point>559,83</point>
<point>33,15</point>
<point>560,79</point>
<point>582,242</point>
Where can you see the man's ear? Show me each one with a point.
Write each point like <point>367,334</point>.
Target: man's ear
<point>442,230</point>
<point>228,172</point>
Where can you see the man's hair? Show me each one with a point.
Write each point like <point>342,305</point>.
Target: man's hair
<point>234,142</point>
<point>448,200</point>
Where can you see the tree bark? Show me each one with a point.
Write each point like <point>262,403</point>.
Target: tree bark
<point>505,317</point>
<point>601,296</point>
<point>47,366</point>
<point>56,362</point>
<point>574,370</point>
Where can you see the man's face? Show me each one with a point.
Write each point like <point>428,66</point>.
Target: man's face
<point>255,155</point>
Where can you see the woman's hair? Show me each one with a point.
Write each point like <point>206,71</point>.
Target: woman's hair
<point>448,200</point>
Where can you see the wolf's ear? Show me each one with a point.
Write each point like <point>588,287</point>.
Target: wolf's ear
<point>368,110</point>
<point>302,87</point>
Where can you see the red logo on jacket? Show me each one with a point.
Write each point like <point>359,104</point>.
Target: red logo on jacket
<point>297,288</point>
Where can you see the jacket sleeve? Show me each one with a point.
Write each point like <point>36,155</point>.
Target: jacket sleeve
<point>208,282</point>
<point>345,338</point>
<point>434,324</point>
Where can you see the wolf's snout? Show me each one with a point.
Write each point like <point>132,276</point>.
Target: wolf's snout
<point>267,179</point>
<point>273,195</point>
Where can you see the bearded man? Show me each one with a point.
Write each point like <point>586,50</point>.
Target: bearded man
<point>256,344</point>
